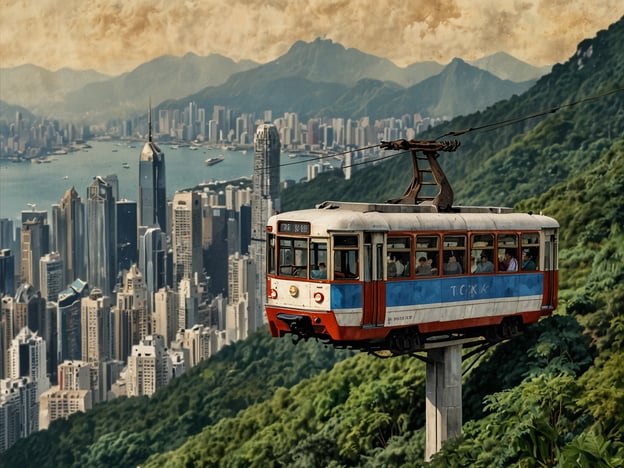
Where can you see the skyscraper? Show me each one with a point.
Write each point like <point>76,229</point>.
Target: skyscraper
<point>68,321</point>
<point>7,272</point>
<point>152,187</point>
<point>101,236</point>
<point>186,236</point>
<point>149,366</point>
<point>264,202</point>
<point>131,319</point>
<point>69,234</point>
<point>35,238</point>
<point>153,261</point>
<point>96,339</point>
<point>27,358</point>
<point>127,247</point>
<point>52,278</point>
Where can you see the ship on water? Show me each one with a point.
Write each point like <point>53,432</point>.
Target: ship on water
<point>213,161</point>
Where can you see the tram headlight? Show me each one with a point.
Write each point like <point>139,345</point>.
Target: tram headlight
<point>293,290</point>
<point>318,297</point>
<point>273,293</point>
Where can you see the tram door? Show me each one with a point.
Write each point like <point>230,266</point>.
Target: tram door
<point>373,286</point>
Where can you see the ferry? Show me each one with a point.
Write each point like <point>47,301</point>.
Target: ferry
<point>213,161</point>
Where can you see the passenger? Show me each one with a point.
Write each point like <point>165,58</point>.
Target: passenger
<point>423,268</point>
<point>320,273</point>
<point>452,267</point>
<point>395,267</point>
<point>510,262</point>
<point>485,266</point>
<point>527,260</point>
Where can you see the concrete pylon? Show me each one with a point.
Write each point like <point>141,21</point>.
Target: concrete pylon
<point>443,409</point>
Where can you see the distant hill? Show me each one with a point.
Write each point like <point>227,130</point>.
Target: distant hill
<point>35,87</point>
<point>8,112</point>
<point>507,67</point>
<point>166,77</point>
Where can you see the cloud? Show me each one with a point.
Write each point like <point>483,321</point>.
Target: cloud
<point>116,36</point>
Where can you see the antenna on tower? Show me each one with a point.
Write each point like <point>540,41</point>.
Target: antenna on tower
<point>149,119</point>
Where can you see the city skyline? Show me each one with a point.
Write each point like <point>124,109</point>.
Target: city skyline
<point>114,38</point>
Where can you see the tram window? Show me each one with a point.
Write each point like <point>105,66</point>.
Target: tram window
<point>345,257</point>
<point>427,255</point>
<point>399,252</point>
<point>454,255</point>
<point>271,254</point>
<point>482,254</point>
<point>293,254</point>
<point>530,251</point>
<point>318,259</point>
<point>508,252</point>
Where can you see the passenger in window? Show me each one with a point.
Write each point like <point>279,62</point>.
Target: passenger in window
<point>509,263</point>
<point>423,268</point>
<point>320,273</point>
<point>395,267</point>
<point>484,266</point>
<point>527,260</point>
<point>452,267</point>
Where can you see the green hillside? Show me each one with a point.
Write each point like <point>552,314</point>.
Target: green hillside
<point>552,397</point>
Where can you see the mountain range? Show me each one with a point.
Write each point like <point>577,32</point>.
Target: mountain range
<point>320,68</point>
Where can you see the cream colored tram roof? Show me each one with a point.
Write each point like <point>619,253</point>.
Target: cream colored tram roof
<point>344,219</point>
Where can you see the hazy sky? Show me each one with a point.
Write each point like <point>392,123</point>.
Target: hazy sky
<point>116,36</point>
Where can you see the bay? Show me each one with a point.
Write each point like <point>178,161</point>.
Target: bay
<point>44,184</point>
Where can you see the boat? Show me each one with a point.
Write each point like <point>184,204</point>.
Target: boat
<point>213,161</point>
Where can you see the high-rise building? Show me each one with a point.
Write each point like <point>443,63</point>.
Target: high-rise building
<point>35,242</point>
<point>127,245</point>
<point>264,203</point>
<point>19,410</point>
<point>153,261</point>
<point>7,272</point>
<point>96,339</point>
<point>152,204</point>
<point>68,318</point>
<point>241,319</point>
<point>101,236</point>
<point>27,358</point>
<point>149,366</point>
<point>165,314</point>
<point>186,235</point>
<point>68,221</point>
<point>51,273</point>
<point>131,319</point>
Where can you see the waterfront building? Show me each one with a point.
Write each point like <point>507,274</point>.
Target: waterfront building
<point>68,222</point>
<point>101,235</point>
<point>265,202</point>
<point>152,205</point>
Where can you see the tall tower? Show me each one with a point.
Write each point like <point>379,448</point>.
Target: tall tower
<point>127,246</point>
<point>51,273</point>
<point>153,261</point>
<point>35,238</point>
<point>131,319</point>
<point>68,223</point>
<point>7,272</point>
<point>149,366</point>
<point>96,339</point>
<point>264,202</point>
<point>101,235</point>
<point>152,187</point>
<point>186,235</point>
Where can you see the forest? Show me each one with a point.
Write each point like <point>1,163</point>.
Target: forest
<point>552,397</point>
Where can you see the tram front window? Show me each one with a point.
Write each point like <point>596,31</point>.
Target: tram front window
<point>293,256</point>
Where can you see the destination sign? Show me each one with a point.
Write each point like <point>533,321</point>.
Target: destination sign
<point>293,227</point>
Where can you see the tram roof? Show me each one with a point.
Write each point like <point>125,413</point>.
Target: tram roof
<point>341,216</point>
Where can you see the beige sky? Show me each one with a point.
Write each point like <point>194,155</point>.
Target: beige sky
<point>116,36</point>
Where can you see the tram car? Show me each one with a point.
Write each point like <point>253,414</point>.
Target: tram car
<point>402,278</point>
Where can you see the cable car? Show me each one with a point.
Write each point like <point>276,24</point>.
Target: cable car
<point>405,277</point>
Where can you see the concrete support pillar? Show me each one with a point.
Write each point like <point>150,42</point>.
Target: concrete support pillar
<point>443,410</point>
